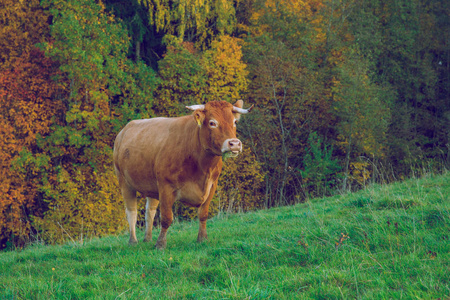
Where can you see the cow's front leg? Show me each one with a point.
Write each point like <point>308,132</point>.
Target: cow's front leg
<point>203,215</point>
<point>150,211</point>
<point>167,198</point>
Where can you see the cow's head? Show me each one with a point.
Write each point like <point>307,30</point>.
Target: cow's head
<point>217,121</point>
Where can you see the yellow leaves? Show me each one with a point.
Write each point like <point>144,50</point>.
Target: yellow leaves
<point>306,12</point>
<point>321,35</point>
<point>84,203</point>
<point>225,69</point>
<point>240,183</point>
<point>298,8</point>
<point>182,18</point>
<point>360,172</point>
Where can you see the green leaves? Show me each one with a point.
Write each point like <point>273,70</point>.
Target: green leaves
<point>320,169</point>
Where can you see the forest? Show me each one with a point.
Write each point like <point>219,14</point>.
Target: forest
<point>346,93</point>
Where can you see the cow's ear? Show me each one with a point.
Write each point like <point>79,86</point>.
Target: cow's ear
<point>199,116</point>
<point>238,104</point>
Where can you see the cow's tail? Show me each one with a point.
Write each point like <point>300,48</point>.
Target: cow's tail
<point>116,151</point>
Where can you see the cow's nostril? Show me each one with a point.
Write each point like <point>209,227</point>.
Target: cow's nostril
<point>234,143</point>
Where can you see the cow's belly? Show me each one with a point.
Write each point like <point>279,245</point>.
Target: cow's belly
<point>143,183</point>
<point>190,193</point>
<point>194,195</point>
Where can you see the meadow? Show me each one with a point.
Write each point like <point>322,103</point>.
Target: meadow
<point>383,242</point>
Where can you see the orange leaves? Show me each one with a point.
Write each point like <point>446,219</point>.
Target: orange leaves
<point>27,108</point>
<point>24,24</point>
<point>28,90</point>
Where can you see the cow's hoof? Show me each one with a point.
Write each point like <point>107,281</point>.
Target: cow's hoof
<point>132,242</point>
<point>201,239</point>
<point>161,245</point>
<point>146,240</point>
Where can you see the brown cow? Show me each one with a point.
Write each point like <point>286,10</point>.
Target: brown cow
<point>170,159</point>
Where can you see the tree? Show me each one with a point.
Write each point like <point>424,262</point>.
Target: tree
<point>363,118</point>
<point>27,110</point>
<point>320,170</point>
<point>134,16</point>
<point>226,72</point>
<point>198,22</point>
<point>286,87</point>
<point>183,78</point>
<point>405,41</point>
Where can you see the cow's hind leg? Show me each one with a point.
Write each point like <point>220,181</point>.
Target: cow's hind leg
<point>150,211</point>
<point>129,196</point>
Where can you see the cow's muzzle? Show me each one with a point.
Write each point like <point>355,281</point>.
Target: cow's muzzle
<point>232,147</point>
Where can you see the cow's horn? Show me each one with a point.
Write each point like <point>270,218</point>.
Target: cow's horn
<point>242,110</point>
<point>195,107</point>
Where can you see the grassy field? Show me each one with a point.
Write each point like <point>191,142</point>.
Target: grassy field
<point>385,242</point>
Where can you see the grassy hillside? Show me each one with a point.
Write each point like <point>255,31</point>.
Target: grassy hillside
<point>384,242</point>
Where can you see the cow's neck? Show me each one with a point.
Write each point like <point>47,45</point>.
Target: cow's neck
<point>207,160</point>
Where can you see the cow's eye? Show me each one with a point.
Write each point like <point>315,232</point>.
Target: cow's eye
<point>213,124</point>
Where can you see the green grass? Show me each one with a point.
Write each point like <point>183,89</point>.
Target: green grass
<point>397,247</point>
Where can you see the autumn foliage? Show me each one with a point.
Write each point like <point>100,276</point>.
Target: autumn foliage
<point>345,93</point>
<point>27,112</point>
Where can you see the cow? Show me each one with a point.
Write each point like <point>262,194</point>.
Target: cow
<point>175,159</point>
